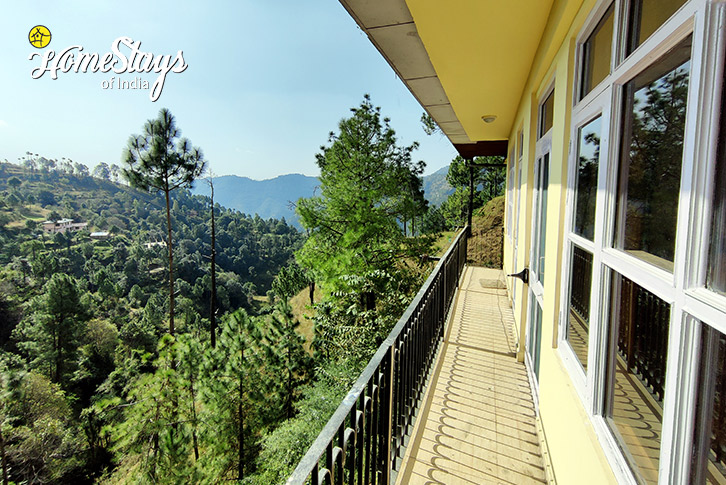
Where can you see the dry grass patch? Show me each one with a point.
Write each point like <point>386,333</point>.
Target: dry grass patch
<point>444,242</point>
<point>486,244</point>
<point>304,313</point>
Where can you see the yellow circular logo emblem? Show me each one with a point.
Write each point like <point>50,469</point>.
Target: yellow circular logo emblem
<point>39,36</point>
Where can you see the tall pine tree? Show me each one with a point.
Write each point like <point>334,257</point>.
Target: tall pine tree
<point>159,161</point>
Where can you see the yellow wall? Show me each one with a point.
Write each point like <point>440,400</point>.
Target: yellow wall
<point>574,448</point>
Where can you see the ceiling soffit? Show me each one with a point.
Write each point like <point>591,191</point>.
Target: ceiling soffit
<point>392,31</point>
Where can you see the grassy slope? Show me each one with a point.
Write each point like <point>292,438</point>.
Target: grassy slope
<point>486,243</point>
<point>443,242</point>
<point>303,313</point>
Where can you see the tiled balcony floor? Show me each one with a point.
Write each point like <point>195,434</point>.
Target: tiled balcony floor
<point>477,420</point>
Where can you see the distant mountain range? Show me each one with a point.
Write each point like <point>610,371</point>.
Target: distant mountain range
<point>275,197</point>
<point>268,198</point>
<point>436,188</point>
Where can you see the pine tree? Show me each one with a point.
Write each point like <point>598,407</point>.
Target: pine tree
<point>154,439</point>
<point>365,180</point>
<point>292,365</point>
<point>50,334</point>
<point>156,161</point>
<point>236,401</point>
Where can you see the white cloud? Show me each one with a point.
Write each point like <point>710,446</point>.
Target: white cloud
<point>3,124</point>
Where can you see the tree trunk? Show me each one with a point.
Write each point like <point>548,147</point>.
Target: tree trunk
<point>288,400</point>
<point>311,288</point>
<point>241,437</point>
<point>3,458</point>
<point>59,352</point>
<point>368,300</point>
<point>213,298</point>
<point>171,262</point>
<point>194,417</point>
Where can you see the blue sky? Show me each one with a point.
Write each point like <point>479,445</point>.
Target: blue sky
<point>267,80</point>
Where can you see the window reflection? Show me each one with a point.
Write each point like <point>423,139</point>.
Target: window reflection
<point>708,463</point>
<point>542,188</point>
<point>547,114</point>
<point>651,155</point>
<point>716,278</point>
<point>639,324</point>
<point>578,318</point>
<point>588,155</point>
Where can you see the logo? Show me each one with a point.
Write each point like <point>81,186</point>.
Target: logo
<point>125,57</point>
<point>39,36</point>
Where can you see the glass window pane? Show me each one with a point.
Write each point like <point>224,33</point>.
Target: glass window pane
<point>520,144</point>
<point>542,187</point>
<point>510,191</point>
<point>578,318</point>
<point>546,114</point>
<point>534,336</point>
<point>716,279</point>
<point>650,160</point>
<point>588,155</point>
<point>638,335</point>
<point>709,447</point>
<point>645,18</point>
<point>597,53</point>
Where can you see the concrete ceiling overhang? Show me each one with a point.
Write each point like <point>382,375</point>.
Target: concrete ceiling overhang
<point>461,60</point>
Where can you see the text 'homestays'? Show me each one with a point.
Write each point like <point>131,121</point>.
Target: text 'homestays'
<point>124,58</point>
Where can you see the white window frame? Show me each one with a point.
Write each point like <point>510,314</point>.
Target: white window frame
<point>535,290</point>
<point>586,112</point>
<point>517,210</point>
<point>692,305</point>
<point>511,169</point>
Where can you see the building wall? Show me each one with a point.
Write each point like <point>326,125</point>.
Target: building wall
<point>577,407</point>
<point>574,447</point>
<point>570,407</point>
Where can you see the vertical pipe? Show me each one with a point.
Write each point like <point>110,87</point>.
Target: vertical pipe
<point>471,198</point>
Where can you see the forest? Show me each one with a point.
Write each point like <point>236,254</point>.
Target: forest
<point>159,345</point>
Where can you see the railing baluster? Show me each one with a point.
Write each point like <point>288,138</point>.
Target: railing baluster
<point>375,428</point>
<point>361,439</point>
<point>369,433</point>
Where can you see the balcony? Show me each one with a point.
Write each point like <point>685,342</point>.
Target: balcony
<point>443,400</point>
<point>477,420</point>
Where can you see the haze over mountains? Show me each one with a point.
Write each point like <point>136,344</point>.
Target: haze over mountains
<point>276,197</point>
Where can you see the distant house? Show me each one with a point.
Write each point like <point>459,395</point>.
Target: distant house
<point>63,225</point>
<point>154,244</point>
<point>100,235</point>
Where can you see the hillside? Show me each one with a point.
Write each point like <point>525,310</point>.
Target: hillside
<point>253,249</point>
<point>485,247</point>
<point>436,188</point>
<point>86,335</point>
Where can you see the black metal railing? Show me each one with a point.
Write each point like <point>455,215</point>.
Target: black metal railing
<point>364,440</point>
<point>643,335</point>
<point>718,426</point>
<point>581,283</point>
